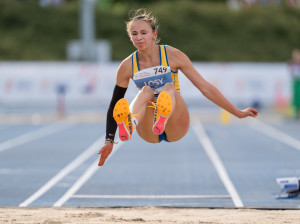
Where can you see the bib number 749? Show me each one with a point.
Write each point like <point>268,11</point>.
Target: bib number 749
<point>160,70</point>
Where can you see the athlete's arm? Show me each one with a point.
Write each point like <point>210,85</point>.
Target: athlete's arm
<point>178,60</point>
<point>120,89</point>
<point>124,72</point>
<point>122,81</point>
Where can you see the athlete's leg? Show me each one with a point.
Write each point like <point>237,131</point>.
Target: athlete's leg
<point>179,122</point>
<point>171,90</point>
<point>140,102</point>
<point>165,105</point>
<point>145,114</point>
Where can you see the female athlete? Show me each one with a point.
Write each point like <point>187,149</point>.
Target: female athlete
<point>158,112</point>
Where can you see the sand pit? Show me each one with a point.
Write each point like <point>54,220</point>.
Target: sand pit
<point>147,215</point>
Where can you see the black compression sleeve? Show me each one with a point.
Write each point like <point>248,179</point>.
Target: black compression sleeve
<point>111,125</point>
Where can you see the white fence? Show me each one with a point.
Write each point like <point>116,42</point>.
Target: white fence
<point>39,82</point>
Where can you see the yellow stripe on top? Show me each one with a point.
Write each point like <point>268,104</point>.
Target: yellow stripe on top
<point>163,56</point>
<point>175,80</point>
<point>164,59</point>
<point>135,68</point>
<point>164,62</point>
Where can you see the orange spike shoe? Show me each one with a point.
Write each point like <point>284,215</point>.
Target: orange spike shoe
<point>123,117</point>
<point>162,112</point>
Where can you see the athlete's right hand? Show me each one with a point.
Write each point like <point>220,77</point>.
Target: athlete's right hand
<point>105,151</point>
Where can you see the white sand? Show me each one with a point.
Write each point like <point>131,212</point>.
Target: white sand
<point>146,215</point>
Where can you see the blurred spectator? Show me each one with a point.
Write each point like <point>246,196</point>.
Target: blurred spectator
<point>45,3</point>
<point>295,72</point>
<point>236,4</point>
<point>61,99</point>
<point>293,3</point>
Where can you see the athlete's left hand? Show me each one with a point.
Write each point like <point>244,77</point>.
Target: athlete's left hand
<point>249,112</point>
<point>105,151</point>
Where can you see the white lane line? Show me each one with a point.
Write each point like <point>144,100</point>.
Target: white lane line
<point>276,134</point>
<point>92,150</point>
<point>83,179</point>
<point>151,196</point>
<point>212,154</point>
<point>39,133</point>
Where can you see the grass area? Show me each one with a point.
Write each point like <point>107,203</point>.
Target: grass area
<point>204,31</point>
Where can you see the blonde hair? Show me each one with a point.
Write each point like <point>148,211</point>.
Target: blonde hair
<point>144,15</point>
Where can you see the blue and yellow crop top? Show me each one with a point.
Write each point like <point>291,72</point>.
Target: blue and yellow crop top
<point>155,77</point>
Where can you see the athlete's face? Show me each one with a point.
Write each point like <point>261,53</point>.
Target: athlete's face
<point>142,35</point>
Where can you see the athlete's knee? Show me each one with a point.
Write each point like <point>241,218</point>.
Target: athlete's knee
<point>168,87</point>
<point>146,90</point>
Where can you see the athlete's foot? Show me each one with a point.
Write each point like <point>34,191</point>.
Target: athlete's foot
<point>122,116</point>
<point>163,110</point>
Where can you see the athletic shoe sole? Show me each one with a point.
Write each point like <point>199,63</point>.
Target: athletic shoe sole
<point>122,116</point>
<point>164,108</point>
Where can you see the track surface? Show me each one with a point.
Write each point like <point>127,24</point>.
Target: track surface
<point>214,165</point>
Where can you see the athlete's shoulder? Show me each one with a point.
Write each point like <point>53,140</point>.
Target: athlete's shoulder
<point>174,52</point>
<point>175,56</point>
<point>124,72</point>
<point>171,49</point>
<point>126,65</point>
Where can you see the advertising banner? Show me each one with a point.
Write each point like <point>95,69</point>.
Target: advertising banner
<point>42,82</point>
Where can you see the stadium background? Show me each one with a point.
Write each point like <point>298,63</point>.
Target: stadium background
<point>243,49</point>
<point>204,30</point>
